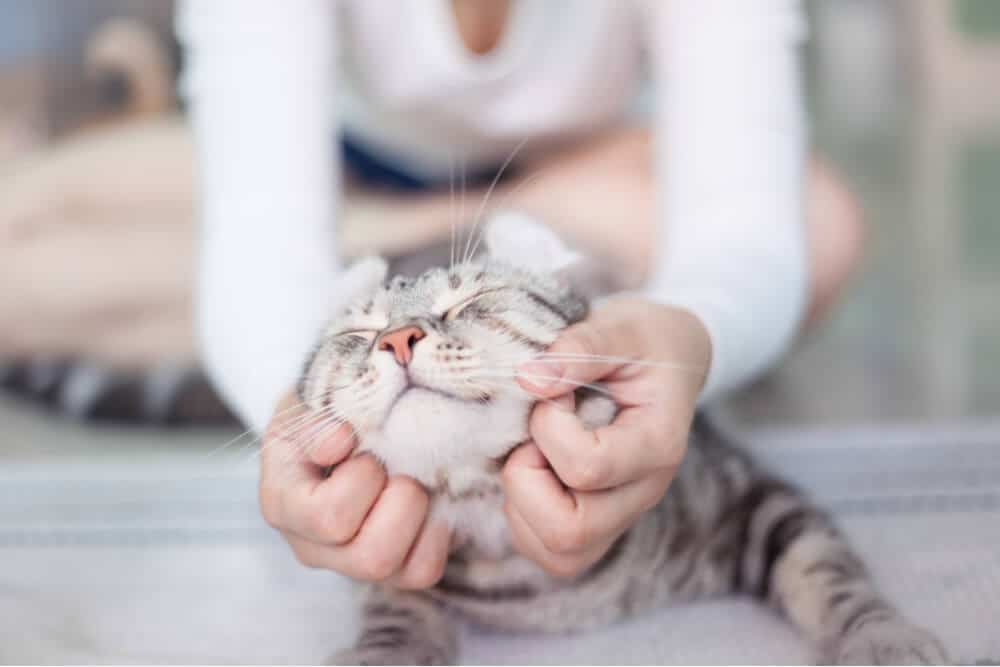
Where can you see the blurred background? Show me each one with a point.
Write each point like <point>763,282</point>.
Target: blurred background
<point>898,392</point>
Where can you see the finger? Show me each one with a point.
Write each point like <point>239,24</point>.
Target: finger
<point>282,468</point>
<point>529,544</point>
<point>424,566</point>
<point>389,531</point>
<point>332,510</point>
<point>527,455</point>
<point>529,482</point>
<point>319,436</point>
<point>569,522</point>
<point>638,441</point>
<point>604,334</point>
<point>332,448</point>
<point>315,555</point>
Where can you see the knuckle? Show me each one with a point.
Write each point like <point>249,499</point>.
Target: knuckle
<point>589,472</point>
<point>270,505</point>
<point>565,537</point>
<point>410,493</point>
<point>425,572</point>
<point>672,442</point>
<point>374,565</point>
<point>307,556</point>
<point>563,567</point>
<point>320,523</point>
<point>368,467</point>
<point>338,529</point>
<point>583,339</point>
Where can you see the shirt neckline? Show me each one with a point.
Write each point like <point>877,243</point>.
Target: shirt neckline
<point>441,35</point>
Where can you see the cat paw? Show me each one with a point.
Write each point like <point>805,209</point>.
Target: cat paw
<point>891,642</point>
<point>403,655</point>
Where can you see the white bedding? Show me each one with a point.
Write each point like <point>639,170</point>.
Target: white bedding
<point>119,563</point>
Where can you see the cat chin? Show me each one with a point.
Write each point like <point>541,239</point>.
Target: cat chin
<point>427,434</point>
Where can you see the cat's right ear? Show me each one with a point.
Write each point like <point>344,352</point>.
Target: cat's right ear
<point>362,278</point>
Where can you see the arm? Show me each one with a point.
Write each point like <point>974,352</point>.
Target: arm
<point>260,82</point>
<point>729,282</point>
<point>730,163</point>
<point>261,89</point>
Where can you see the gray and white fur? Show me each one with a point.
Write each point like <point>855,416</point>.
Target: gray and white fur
<point>450,410</point>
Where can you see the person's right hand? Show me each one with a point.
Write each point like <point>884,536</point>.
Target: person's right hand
<point>358,521</point>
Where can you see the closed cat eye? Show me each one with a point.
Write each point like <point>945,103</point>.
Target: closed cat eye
<point>457,309</point>
<point>368,335</point>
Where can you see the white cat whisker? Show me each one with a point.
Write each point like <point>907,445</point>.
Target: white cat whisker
<point>301,425</point>
<point>250,431</point>
<point>469,247</point>
<point>552,378</point>
<point>305,424</point>
<point>298,450</point>
<point>451,214</point>
<point>571,358</point>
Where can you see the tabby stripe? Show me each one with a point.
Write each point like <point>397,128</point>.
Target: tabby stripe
<point>839,598</point>
<point>741,514</point>
<point>839,571</point>
<point>520,591</point>
<point>497,323</point>
<point>779,537</point>
<point>388,611</point>
<point>386,637</point>
<point>866,612</point>
<point>551,307</point>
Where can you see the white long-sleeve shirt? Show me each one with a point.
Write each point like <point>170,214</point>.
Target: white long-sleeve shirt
<point>270,83</point>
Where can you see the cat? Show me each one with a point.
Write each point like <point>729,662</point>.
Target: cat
<point>422,369</point>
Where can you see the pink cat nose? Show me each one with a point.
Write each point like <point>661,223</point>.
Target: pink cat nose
<point>401,342</point>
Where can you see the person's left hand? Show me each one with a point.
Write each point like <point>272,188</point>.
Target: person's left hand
<point>570,493</point>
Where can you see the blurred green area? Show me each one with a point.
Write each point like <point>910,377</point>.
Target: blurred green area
<point>977,18</point>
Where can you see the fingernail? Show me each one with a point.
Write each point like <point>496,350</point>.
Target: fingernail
<point>542,374</point>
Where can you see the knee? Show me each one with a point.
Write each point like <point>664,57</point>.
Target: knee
<point>837,236</point>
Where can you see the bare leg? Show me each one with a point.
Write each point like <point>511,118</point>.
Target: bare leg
<point>97,240</point>
<point>581,190</point>
<point>111,217</point>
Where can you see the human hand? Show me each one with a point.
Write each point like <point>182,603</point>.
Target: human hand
<point>357,521</point>
<point>570,493</point>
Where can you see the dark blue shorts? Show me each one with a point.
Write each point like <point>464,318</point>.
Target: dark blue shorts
<point>376,171</point>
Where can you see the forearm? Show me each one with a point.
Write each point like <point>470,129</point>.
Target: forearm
<point>730,164</point>
<point>259,79</point>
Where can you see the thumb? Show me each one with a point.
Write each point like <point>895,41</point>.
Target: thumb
<point>587,351</point>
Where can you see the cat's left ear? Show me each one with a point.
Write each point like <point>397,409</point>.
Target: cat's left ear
<point>521,242</point>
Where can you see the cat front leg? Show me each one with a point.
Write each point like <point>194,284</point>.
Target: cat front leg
<point>401,628</point>
<point>799,563</point>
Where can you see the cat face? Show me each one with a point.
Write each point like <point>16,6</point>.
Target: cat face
<point>423,368</point>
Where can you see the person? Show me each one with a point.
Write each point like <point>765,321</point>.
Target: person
<point>704,195</point>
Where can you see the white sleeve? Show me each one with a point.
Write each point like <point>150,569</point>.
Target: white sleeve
<point>730,158</point>
<point>260,82</point>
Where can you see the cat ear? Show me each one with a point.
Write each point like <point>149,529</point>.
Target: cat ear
<point>521,242</point>
<point>362,278</point>
<point>517,240</point>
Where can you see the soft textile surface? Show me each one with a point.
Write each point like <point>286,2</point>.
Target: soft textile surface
<point>117,563</point>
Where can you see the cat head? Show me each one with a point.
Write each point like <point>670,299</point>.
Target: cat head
<point>425,366</point>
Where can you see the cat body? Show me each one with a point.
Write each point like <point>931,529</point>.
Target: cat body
<point>424,371</point>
